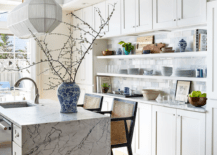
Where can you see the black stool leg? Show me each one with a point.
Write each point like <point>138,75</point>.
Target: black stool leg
<point>111,152</point>
<point>130,152</point>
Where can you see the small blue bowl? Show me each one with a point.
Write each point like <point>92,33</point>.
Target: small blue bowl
<point>146,52</point>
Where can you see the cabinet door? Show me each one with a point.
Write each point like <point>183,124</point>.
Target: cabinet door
<point>114,25</point>
<point>88,16</point>
<point>143,15</point>
<point>128,19</point>
<point>107,104</point>
<point>164,14</point>
<point>84,89</point>
<point>211,128</point>
<point>212,50</point>
<point>163,131</point>
<point>191,12</point>
<point>96,18</point>
<point>191,130</point>
<point>142,139</point>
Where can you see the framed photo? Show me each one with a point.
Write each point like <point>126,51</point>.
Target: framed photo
<point>101,80</point>
<point>182,90</point>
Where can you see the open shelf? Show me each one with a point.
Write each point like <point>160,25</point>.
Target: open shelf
<point>161,55</point>
<point>154,77</point>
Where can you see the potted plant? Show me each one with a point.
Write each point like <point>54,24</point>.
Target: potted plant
<point>197,99</point>
<point>105,87</point>
<point>128,47</point>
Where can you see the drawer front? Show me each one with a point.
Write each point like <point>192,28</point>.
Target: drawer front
<point>16,149</point>
<point>17,135</point>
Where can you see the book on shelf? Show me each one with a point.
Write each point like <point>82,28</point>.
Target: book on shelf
<point>196,42</point>
<point>202,42</point>
<point>103,79</point>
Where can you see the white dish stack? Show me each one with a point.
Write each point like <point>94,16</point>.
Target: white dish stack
<point>167,71</point>
<point>184,73</point>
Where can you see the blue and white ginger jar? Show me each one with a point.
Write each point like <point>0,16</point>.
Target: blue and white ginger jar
<point>68,95</point>
<point>182,45</point>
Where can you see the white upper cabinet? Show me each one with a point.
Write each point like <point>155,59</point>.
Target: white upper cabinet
<point>88,16</point>
<point>164,14</point>
<point>128,19</point>
<point>114,25</point>
<point>143,15</point>
<point>191,133</point>
<point>96,18</point>
<point>191,12</point>
<point>136,15</point>
<point>212,50</point>
<point>178,13</point>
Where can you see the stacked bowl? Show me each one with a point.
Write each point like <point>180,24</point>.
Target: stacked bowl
<point>122,71</point>
<point>133,71</point>
<point>184,73</point>
<point>166,71</point>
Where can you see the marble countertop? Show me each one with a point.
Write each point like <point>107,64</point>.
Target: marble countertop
<point>48,111</point>
<point>188,107</point>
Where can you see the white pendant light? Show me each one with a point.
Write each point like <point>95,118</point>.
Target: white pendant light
<point>40,16</point>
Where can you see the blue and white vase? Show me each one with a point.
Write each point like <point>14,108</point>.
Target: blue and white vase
<point>68,95</point>
<point>182,45</point>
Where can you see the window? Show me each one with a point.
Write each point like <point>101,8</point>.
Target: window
<point>14,51</point>
<point>3,16</point>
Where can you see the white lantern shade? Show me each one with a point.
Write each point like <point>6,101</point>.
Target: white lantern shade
<point>39,16</point>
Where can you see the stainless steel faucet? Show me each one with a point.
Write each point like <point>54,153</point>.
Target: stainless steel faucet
<point>36,88</point>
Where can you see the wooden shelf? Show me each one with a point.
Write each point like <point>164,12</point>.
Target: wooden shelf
<point>154,77</point>
<point>162,55</point>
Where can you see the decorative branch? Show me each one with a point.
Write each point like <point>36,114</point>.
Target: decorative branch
<point>65,67</point>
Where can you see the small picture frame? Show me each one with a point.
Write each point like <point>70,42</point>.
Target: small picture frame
<point>182,91</point>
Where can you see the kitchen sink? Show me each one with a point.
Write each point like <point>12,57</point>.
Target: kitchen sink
<point>19,104</point>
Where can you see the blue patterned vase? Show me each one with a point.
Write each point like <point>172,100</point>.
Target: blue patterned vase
<point>68,95</point>
<point>182,45</point>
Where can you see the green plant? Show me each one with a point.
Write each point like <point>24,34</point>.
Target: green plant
<point>197,94</point>
<point>128,46</point>
<point>5,46</point>
<point>105,85</point>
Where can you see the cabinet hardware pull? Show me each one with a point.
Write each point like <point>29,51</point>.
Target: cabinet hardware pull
<point>174,19</point>
<point>17,135</point>
<point>174,114</point>
<point>134,26</point>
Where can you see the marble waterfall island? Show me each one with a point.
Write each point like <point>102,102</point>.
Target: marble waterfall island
<point>43,130</point>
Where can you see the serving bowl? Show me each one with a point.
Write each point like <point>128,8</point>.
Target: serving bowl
<point>150,94</point>
<point>197,101</point>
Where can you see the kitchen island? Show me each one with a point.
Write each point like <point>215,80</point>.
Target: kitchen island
<point>42,129</point>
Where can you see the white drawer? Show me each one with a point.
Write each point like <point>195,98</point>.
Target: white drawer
<point>17,135</point>
<point>16,149</point>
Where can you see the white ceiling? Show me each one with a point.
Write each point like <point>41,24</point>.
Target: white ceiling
<point>10,2</point>
<point>69,5</point>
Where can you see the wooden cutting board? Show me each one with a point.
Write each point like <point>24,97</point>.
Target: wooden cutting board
<point>154,48</point>
<point>143,41</point>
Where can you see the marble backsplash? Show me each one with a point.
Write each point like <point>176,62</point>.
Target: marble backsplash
<point>167,86</point>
